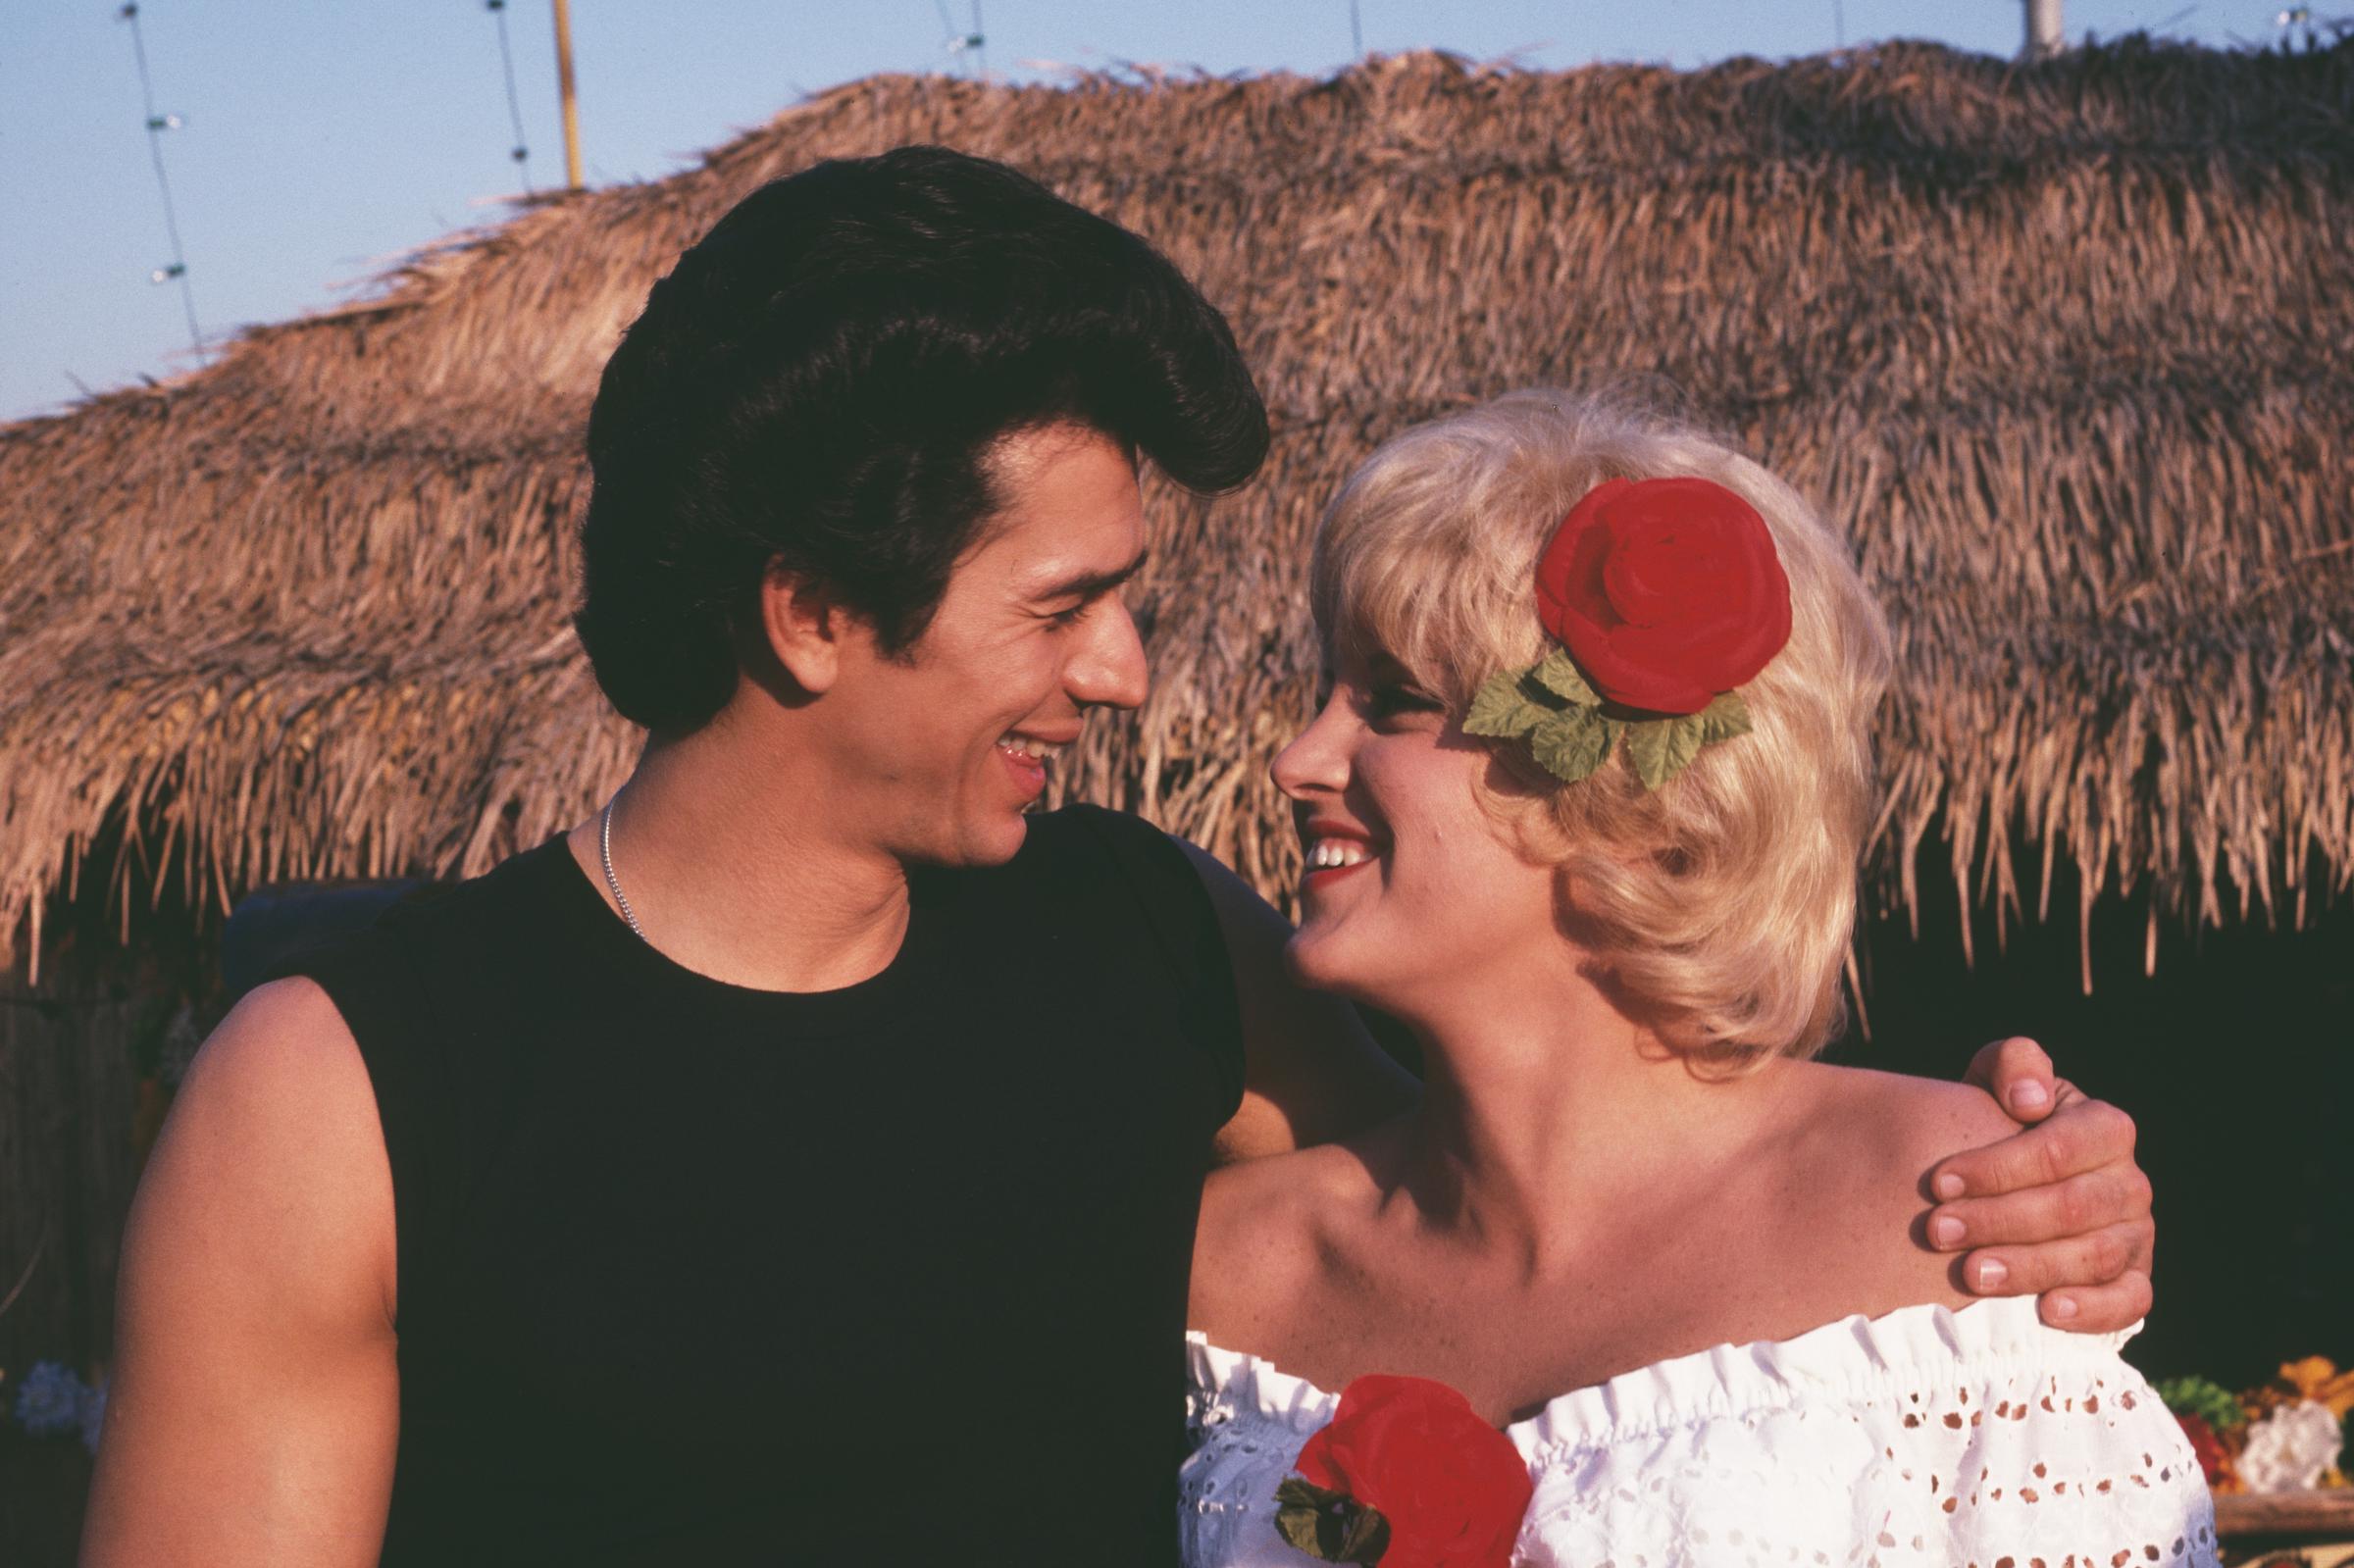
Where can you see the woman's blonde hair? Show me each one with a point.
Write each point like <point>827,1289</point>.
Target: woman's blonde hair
<point>1721,904</point>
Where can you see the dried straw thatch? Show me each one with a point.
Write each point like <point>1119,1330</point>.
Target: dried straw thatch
<point>2065,346</point>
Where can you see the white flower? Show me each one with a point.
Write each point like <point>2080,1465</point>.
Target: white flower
<point>2289,1449</point>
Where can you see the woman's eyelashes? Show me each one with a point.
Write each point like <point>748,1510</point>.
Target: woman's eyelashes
<point>1378,699</point>
<point>1398,699</point>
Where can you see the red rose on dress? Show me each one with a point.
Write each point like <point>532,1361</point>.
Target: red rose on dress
<point>1665,592</point>
<point>1453,1487</point>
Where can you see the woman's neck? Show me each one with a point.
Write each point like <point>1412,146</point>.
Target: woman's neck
<point>1540,1122</point>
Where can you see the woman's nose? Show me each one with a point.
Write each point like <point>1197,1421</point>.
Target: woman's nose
<point>1317,759</point>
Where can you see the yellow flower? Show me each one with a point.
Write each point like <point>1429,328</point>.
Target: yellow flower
<point>2318,1379</point>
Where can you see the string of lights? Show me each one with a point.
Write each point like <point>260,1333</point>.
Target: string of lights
<point>506,63</point>
<point>157,124</point>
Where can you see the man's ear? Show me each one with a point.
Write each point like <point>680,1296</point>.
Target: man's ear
<point>804,625</point>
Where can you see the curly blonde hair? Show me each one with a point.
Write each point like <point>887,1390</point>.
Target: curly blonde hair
<point>1722,903</point>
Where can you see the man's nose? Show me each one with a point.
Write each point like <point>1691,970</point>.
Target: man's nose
<point>1110,671</point>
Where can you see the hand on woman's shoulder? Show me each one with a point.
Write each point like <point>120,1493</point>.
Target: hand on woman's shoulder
<point>1869,1142</point>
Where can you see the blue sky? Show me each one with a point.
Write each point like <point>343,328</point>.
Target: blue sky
<point>322,139</point>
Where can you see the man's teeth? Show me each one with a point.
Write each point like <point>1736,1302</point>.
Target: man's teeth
<point>1037,750</point>
<point>1326,853</point>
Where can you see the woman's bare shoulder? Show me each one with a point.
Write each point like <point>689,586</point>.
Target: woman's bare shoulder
<point>1266,1227</point>
<point>1918,1121</point>
<point>1869,1142</point>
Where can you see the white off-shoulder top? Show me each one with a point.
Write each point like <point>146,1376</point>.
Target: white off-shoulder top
<point>1929,1436</point>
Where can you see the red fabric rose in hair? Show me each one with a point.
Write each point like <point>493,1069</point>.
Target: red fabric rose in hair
<point>1453,1487</point>
<point>1665,592</point>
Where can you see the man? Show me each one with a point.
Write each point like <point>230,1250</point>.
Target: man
<point>799,1161</point>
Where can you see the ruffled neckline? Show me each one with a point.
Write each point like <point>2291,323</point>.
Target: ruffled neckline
<point>1851,1358</point>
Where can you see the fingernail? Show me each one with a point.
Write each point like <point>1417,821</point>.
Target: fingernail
<point>1948,1186</point>
<point>1945,1231</point>
<point>1992,1273</point>
<point>2063,1307</point>
<point>2028,1094</point>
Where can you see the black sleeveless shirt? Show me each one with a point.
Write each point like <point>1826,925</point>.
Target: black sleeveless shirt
<point>695,1274</point>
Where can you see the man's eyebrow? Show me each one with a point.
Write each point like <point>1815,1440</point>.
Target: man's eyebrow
<point>1090,584</point>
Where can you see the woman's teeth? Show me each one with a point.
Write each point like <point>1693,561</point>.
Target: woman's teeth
<point>1326,853</point>
<point>1035,751</point>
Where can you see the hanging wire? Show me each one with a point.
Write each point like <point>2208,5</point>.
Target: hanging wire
<point>506,63</point>
<point>966,45</point>
<point>157,124</point>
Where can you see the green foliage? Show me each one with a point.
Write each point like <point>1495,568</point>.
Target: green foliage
<point>1570,733</point>
<point>1506,707</point>
<point>1723,719</point>
<point>1330,1526</point>
<point>1557,674</point>
<point>1572,743</point>
<point>2210,1402</point>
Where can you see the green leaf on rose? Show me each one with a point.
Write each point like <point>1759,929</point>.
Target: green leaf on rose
<point>1572,743</point>
<point>1660,748</point>
<point>1560,675</point>
<point>1725,718</point>
<point>1505,708</point>
<point>1329,1526</point>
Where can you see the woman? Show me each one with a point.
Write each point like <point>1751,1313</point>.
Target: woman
<point>1583,809</point>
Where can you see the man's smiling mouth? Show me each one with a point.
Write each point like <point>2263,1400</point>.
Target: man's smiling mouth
<point>1035,751</point>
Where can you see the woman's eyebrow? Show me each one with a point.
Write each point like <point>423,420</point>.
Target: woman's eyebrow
<point>1090,584</point>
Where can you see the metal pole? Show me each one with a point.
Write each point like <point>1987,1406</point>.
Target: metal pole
<point>2047,34</point>
<point>571,107</point>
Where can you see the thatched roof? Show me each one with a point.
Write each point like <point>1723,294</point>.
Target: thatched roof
<point>2066,347</point>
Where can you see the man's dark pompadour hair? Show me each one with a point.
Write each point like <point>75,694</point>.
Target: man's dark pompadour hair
<point>817,384</point>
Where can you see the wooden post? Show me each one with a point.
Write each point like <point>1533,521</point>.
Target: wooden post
<point>2047,34</point>
<point>571,107</point>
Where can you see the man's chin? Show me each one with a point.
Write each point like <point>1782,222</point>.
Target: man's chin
<point>992,843</point>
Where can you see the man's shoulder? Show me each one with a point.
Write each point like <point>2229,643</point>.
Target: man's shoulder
<point>367,924</point>
<point>430,975</point>
<point>1082,827</point>
<point>1109,863</point>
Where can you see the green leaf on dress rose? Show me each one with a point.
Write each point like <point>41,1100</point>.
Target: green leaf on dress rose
<point>1504,708</point>
<point>1329,1526</point>
<point>1725,718</point>
<point>1660,748</point>
<point>1572,743</point>
<point>1560,675</point>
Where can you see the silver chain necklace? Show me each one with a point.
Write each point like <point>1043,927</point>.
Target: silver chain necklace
<point>613,883</point>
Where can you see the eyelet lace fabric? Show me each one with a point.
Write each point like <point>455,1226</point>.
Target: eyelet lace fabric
<point>1975,1439</point>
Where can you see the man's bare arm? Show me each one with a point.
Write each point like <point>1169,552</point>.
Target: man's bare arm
<point>1312,1072</point>
<point>255,1403</point>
